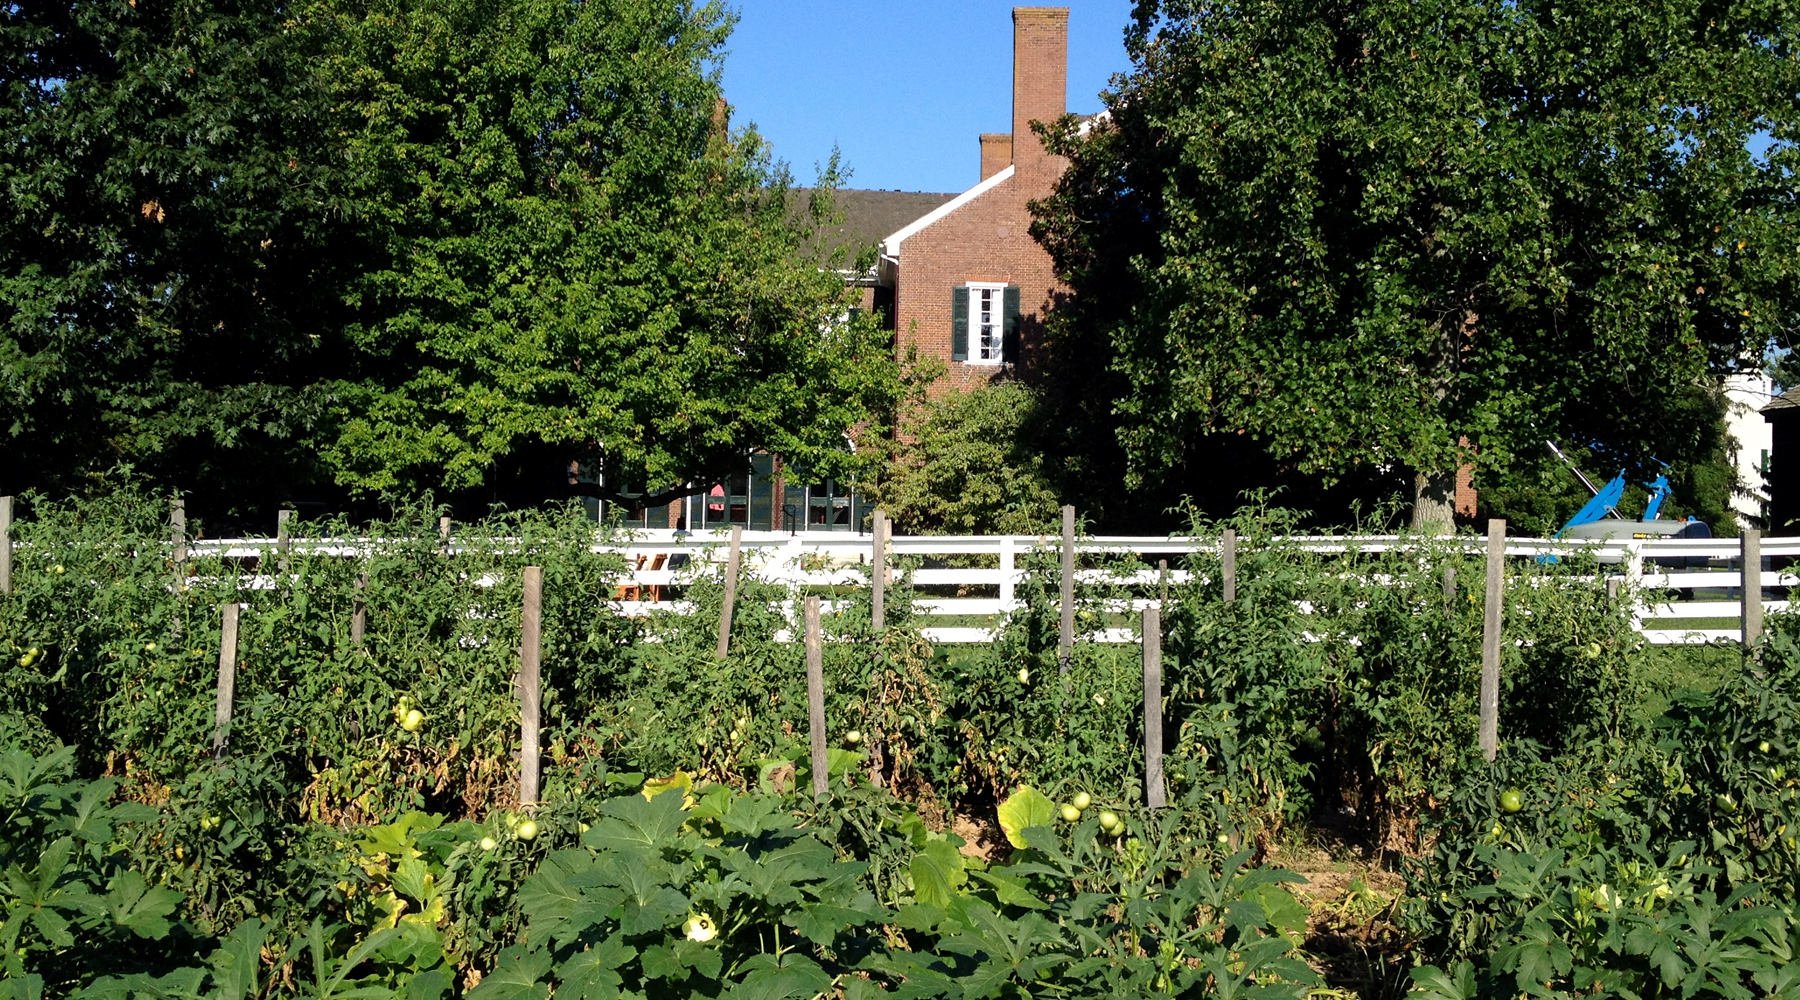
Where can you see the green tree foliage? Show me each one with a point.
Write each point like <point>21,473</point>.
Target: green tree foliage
<point>1365,232</point>
<point>971,469</point>
<point>167,239</point>
<point>575,253</point>
<point>399,244</point>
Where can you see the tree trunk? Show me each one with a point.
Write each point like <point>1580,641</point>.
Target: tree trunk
<point>1434,503</point>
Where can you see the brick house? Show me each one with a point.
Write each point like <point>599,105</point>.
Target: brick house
<point>965,282</point>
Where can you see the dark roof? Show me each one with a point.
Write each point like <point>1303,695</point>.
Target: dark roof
<point>871,216</point>
<point>1786,401</point>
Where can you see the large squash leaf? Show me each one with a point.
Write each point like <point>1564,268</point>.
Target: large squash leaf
<point>1023,810</point>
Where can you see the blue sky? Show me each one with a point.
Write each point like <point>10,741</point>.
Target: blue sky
<point>902,87</point>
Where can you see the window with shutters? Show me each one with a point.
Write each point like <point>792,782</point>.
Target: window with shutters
<point>985,323</point>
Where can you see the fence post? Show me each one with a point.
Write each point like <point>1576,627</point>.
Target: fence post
<point>878,570</point>
<point>732,564</point>
<point>1155,793</point>
<point>1065,647</point>
<point>359,614</point>
<point>815,698</point>
<point>178,533</point>
<point>1751,541</point>
<point>1228,562</point>
<point>228,642</point>
<point>1490,638</point>
<point>1008,563</point>
<point>531,648</point>
<point>283,544</point>
<point>6,544</point>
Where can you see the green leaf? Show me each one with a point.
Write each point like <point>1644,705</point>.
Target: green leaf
<point>634,823</point>
<point>795,976</point>
<point>821,923</point>
<point>660,962</point>
<point>938,874</point>
<point>521,973</point>
<point>1010,891</point>
<point>1023,810</point>
<point>27,987</point>
<point>592,973</point>
<point>550,900</point>
<point>1432,983</point>
<point>237,962</point>
<point>432,984</point>
<point>138,908</point>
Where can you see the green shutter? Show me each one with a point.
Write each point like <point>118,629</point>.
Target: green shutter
<point>762,492</point>
<point>1009,346</point>
<point>959,324</point>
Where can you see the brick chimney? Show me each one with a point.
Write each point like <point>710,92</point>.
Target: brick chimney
<point>1040,88</point>
<point>996,153</point>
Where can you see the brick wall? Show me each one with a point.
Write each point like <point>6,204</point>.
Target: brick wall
<point>996,153</point>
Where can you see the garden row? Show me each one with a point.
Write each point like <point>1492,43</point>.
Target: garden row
<point>366,825</point>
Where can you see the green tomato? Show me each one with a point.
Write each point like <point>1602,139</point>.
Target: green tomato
<point>1109,821</point>
<point>1512,800</point>
<point>1024,675</point>
<point>527,830</point>
<point>1082,800</point>
<point>414,719</point>
<point>1763,746</point>
<point>853,737</point>
<point>1069,813</point>
<point>489,843</point>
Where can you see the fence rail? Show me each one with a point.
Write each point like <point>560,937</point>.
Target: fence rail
<point>1675,581</point>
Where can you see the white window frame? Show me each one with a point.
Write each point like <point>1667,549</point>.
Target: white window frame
<point>989,350</point>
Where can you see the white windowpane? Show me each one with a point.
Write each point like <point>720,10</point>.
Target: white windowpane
<point>987,307</point>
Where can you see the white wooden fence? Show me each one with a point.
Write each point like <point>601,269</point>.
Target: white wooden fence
<point>1702,574</point>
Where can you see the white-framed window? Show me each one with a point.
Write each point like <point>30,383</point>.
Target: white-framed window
<point>987,323</point>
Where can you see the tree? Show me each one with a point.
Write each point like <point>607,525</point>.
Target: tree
<point>580,258</point>
<point>1405,236</point>
<point>168,243</point>
<point>391,244</point>
<point>966,466</point>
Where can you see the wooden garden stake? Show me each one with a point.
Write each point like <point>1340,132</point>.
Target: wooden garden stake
<point>6,544</point>
<point>1065,647</point>
<point>178,551</point>
<point>1162,581</point>
<point>815,698</point>
<point>359,615</point>
<point>1449,584</point>
<point>1228,563</point>
<point>1155,794</point>
<point>1751,540</point>
<point>1490,638</point>
<point>732,562</point>
<point>531,648</point>
<point>1612,589</point>
<point>228,642</point>
<point>283,544</point>
<point>444,535</point>
<point>879,571</point>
